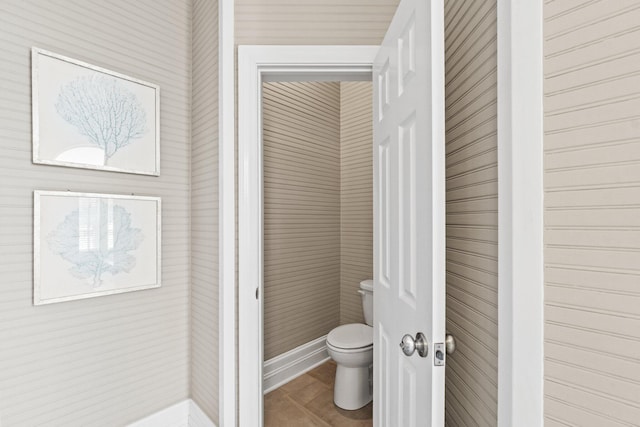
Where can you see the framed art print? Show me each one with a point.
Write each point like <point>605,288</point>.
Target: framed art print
<point>89,117</point>
<point>87,245</point>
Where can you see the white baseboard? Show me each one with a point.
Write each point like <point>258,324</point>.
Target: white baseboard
<point>184,414</point>
<point>197,417</point>
<point>287,366</point>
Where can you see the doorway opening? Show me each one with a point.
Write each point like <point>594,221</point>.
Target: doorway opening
<point>317,160</point>
<point>259,65</point>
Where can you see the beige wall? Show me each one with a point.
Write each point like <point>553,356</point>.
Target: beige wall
<point>318,208</point>
<point>114,359</point>
<point>592,213</point>
<point>204,208</point>
<point>356,196</point>
<point>472,211</point>
<point>301,137</point>
<point>312,21</point>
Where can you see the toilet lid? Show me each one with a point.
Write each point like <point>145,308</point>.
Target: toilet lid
<point>354,335</point>
<point>367,285</point>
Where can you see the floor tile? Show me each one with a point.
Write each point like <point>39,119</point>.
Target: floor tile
<point>323,407</point>
<point>325,372</point>
<point>281,411</point>
<point>297,384</point>
<point>310,391</point>
<point>307,401</point>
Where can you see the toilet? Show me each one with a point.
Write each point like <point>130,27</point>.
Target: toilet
<point>351,347</point>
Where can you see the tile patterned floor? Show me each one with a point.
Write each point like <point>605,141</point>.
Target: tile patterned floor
<point>307,401</point>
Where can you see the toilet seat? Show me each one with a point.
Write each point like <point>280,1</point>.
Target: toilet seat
<point>354,336</point>
<point>347,351</point>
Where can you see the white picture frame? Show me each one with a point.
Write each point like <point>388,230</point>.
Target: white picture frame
<point>84,116</point>
<point>88,245</point>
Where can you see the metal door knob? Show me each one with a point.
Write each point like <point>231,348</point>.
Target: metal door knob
<point>450,343</point>
<point>410,345</point>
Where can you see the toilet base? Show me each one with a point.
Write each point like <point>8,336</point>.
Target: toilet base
<point>352,388</point>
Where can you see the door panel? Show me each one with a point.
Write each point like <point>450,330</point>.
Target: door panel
<point>409,249</point>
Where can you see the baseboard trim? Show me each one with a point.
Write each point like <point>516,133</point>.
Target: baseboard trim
<point>290,365</point>
<point>197,417</point>
<point>183,414</point>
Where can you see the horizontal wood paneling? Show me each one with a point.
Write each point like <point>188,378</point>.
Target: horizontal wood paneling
<point>472,212</point>
<point>592,213</point>
<point>312,21</point>
<point>109,360</point>
<point>301,124</point>
<point>356,196</point>
<point>204,208</point>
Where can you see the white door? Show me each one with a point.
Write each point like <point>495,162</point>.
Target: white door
<point>409,218</point>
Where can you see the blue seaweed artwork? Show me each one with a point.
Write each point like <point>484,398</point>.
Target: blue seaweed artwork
<point>104,111</point>
<point>96,238</point>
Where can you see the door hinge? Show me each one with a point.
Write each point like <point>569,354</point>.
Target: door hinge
<point>439,354</point>
<point>257,293</point>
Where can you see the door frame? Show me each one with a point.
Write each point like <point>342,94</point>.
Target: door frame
<point>257,64</point>
<point>520,214</point>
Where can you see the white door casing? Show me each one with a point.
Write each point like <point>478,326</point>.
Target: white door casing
<point>409,215</point>
<point>255,65</point>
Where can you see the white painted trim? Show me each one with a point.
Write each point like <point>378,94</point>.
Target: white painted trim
<point>520,214</point>
<point>254,62</point>
<point>183,414</point>
<point>227,410</point>
<point>288,366</point>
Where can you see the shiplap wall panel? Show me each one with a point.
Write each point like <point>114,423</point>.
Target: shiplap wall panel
<point>204,208</point>
<point>592,213</point>
<point>110,360</point>
<point>301,125</point>
<point>472,212</point>
<point>356,196</point>
<point>312,21</point>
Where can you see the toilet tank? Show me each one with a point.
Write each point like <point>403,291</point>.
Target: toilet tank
<point>366,292</point>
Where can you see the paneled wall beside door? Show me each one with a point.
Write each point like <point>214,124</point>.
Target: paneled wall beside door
<point>318,195</point>
<point>204,207</point>
<point>472,211</point>
<point>111,360</point>
<point>356,196</point>
<point>592,213</point>
<point>301,137</point>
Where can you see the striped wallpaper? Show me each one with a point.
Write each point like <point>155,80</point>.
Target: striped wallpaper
<point>110,360</point>
<point>472,212</point>
<point>204,208</point>
<point>301,137</point>
<point>356,196</point>
<point>312,21</point>
<point>318,208</point>
<point>592,213</point>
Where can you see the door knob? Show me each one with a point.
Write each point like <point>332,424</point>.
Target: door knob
<point>410,345</point>
<point>450,343</point>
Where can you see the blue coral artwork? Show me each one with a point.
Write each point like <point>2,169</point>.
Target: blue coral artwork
<point>104,111</point>
<point>90,117</point>
<point>92,244</point>
<point>96,239</point>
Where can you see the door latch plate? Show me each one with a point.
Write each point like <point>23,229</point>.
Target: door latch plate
<point>439,354</point>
